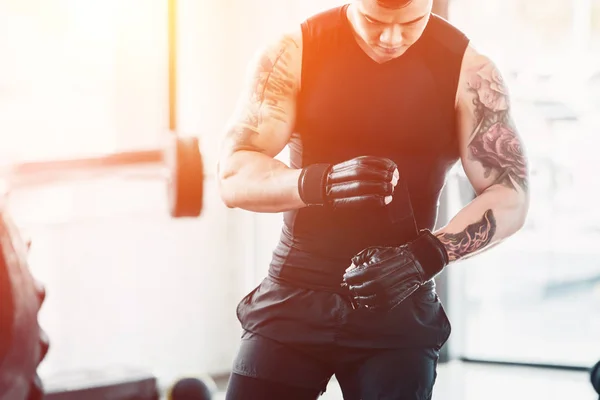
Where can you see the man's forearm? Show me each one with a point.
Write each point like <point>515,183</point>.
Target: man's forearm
<point>256,182</point>
<point>491,217</point>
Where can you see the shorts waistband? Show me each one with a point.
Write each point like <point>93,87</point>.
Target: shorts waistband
<point>325,285</point>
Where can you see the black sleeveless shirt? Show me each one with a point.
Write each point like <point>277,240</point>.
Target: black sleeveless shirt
<point>349,106</point>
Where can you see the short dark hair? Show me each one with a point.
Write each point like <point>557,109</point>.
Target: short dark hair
<point>393,4</point>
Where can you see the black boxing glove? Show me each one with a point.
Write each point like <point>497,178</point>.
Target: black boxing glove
<point>361,181</point>
<point>380,278</point>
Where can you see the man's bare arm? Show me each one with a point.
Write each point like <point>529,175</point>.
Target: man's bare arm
<point>494,160</point>
<point>249,176</point>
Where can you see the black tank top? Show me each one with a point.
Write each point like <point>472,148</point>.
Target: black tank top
<point>349,106</point>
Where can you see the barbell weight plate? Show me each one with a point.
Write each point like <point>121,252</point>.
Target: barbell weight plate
<point>185,186</point>
<point>595,377</point>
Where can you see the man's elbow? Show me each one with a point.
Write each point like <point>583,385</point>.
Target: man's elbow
<point>521,211</point>
<point>227,199</point>
<point>224,189</point>
<point>514,205</point>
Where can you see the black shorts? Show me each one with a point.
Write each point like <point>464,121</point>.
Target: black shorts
<point>302,337</point>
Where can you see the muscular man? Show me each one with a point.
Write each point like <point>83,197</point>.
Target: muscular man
<point>377,100</point>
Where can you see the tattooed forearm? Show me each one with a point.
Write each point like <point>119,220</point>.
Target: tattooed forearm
<point>495,143</point>
<point>472,239</point>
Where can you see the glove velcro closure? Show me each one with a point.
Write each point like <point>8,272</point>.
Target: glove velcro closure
<point>430,253</point>
<point>312,183</point>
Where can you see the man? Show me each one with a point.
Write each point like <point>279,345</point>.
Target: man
<point>377,101</point>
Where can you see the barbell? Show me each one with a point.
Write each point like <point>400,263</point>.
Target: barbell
<point>180,156</point>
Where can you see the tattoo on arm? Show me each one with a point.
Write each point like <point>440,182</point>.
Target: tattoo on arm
<point>242,139</point>
<point>272,84</point>
<point>472,239</point>
<point>495,143</point>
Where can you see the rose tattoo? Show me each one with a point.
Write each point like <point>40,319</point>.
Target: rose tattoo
<point>494,142</point>
<point>489,85</point>
<point>498,149</point>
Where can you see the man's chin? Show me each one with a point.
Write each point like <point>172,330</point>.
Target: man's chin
<point>385,52</point>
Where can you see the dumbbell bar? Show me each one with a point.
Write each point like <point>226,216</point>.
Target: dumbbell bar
<point>181,157</point>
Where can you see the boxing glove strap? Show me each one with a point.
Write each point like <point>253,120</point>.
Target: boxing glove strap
<point>312,183</point>
<point>430,253</point>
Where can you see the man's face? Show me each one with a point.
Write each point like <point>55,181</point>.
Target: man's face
<point>389,32</point>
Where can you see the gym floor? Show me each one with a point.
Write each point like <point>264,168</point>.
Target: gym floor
<point>470,381</point>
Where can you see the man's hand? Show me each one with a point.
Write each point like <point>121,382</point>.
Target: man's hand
<point>380,278</point>
<point>365,181</point>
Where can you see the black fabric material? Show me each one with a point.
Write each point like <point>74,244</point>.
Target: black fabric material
<point>300,316</point>
<point>272,368</point>
<point>350,106</point>
<point>317,262</point>
<point>242,387</point>
<point>430,253</point>
<point>383,277</point>
<point>311,184</point>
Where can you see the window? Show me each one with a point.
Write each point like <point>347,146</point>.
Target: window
<point>81,77</point>
<point>536,298</point>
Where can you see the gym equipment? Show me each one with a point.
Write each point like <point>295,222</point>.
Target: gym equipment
<point>186,178</point>
<point>180,155</point>
<point>595,377</point>
<point>109,384</point>
<point>182,170</point>
<point>201,388</point>
<point>23,345</point>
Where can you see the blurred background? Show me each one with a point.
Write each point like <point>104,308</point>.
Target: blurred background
<point>127,285</point>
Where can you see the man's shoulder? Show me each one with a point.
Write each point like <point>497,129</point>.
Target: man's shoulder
<point>284,49</point>
<point>324,21</point>
<point>447,34</point>
<point>287,42</point>
<point>474,60</point>
<point>480,73</point>
<point>327,15</point>
<point>442,25</point>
